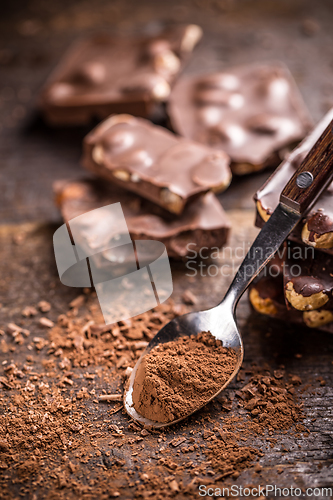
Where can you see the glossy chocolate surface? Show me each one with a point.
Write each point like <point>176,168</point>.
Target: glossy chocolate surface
<point>269,289</point>
<point>251,112</point>
<point>153,162</point>
<point>107,74</point>
<point>202,224</point>
<point>309,270</point>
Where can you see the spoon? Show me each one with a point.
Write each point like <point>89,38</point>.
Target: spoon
<point>302,190</point>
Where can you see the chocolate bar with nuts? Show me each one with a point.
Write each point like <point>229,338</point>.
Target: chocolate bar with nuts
<point>316,228</point>
<point>252,113</point>
<point>266,296</point>
<point>154,163</point>
<point>202,224</point>
<point>106,74</point>
<point>308,278</point>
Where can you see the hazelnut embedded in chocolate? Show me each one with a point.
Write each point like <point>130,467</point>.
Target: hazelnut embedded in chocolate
<point>318,230</point>
<point>308,278</point>
<point>103,75</point>
<point>252,112</point>
<point>315,300</point>
<point>260,304</point>
<point>151,161</point>
<point>318,318</point>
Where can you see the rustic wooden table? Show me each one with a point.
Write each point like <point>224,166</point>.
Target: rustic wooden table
<point>33,35</point>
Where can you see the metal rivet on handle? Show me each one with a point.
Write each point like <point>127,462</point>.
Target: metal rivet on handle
<point>304,180</point>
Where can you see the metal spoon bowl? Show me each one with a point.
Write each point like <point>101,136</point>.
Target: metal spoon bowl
<point>214,320</point>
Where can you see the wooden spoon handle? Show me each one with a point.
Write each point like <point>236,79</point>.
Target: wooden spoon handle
<point>312,176</point>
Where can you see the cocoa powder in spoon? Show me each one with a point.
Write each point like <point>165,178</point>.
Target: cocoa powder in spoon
<point>178,377</point>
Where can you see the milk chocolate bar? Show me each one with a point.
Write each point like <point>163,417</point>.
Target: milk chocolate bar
<point>266,295</point>
<point>317,226</point>
<point>202,224</point>
<point>308,278</point>
<point>105,74</point>
<point>252,113</point>
<point>151,161</point>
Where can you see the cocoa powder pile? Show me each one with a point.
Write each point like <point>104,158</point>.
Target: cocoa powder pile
<point>178,377</point>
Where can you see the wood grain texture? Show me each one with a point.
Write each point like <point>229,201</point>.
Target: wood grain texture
<point>319,163</point>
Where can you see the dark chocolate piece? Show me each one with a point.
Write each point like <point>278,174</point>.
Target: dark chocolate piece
<point>308,278</point>
<point>317,227</point>
<point>153,162</point>
<point>104,75</point>
<point>267,297</point>
<point>251,112</point>
<point>202,224</point>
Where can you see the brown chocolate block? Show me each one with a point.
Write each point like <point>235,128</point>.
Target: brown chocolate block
<point>153,162</point>
<point>104,74</point>
<point>202,224</point>
<point>267,297</point>
<point>252,112</point>
<point>317,226</point>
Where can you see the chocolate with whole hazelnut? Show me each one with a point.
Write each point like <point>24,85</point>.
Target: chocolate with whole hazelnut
<point>151,161</point>
<point>308,278</point>
<point>252,112</point>
<point>295,288</point>
<point>107,74</point>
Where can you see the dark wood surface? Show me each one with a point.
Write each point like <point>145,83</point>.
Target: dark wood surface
<point>33,36</point>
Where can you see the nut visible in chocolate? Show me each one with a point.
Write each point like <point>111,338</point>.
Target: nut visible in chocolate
<point>311,287</point>
<point>268,296</point>
<point>318,229</point>
<point>318,318</point>
<point>105,74</point>
<point>178,377</point>
<point>303,302</point>
<point>203,222</point>
<point>153,162</point>
<point>251,112</point>
<point>264,305</point>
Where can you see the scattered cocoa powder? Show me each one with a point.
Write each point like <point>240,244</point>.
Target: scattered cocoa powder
<point>227,456</point>
<point>64,434</point>
<point>269,399</point>
<point>270,407</point>
<point>178,377</point>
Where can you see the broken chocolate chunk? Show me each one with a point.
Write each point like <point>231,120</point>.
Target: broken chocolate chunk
<point>151,161</point>
<point>308,278</point>
<point>269,296</point>
<point>104,74</point>
<point>203,223</point>
<point>251,112</point>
